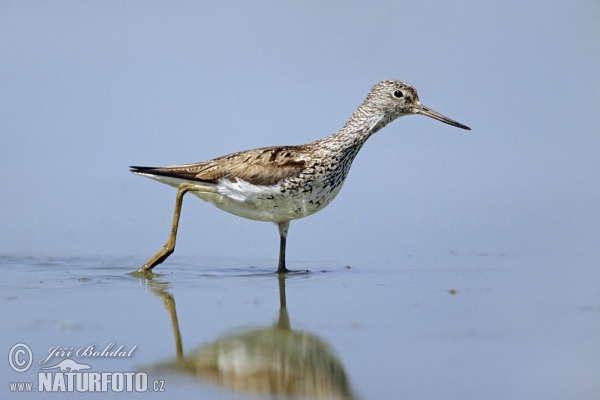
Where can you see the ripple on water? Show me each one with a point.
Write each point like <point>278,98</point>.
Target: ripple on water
<point>49,273</point>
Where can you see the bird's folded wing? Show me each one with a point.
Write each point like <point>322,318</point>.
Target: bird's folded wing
<point>267,166</point>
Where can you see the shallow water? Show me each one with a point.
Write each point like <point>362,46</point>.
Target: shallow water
<point>462,326</point>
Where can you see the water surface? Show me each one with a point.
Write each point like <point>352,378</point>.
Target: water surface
<point>461,326</point>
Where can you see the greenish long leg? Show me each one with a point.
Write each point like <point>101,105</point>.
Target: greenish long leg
<point>169,247</point>
<point>283,231</point>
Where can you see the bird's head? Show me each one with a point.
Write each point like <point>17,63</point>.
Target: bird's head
<point>397,99</point>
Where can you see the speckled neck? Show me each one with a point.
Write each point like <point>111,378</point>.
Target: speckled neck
<point>365,121</point>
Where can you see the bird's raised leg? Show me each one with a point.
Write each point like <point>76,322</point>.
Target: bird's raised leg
<point>283,231</point>
<point>169,247</point>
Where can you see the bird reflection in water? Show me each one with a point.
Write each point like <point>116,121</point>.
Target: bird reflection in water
<point>276,361</point>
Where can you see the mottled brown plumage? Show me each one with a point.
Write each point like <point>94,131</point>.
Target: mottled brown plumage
<point>264,167</point>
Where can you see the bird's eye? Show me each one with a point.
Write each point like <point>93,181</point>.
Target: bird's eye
<point>398,94</point>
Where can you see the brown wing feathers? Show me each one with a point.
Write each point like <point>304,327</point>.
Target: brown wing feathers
<point>265,166</point>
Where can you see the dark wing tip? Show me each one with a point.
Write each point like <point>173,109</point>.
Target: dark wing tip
<point>140,169</point>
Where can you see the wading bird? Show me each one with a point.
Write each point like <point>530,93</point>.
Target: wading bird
<point>283,183</point>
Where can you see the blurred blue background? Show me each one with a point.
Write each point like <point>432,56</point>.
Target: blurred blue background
<point>89,88</point>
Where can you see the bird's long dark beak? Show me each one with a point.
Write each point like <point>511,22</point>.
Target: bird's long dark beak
<point>421,109</point>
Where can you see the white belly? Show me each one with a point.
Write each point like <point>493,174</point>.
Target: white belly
<point>267,203</point>
<point>261,203</point>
